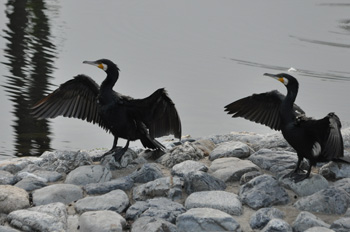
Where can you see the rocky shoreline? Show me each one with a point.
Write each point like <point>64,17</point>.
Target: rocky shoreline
<point>229,182</point>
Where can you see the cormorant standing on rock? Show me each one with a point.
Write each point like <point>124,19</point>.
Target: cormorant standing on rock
<point>316,140</point>
<point>121,115</point>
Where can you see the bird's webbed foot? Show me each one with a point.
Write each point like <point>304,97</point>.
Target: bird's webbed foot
<point>298,177</point>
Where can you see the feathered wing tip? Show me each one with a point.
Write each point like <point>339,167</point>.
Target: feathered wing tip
<point>334,145</point>
<point>75,98</point>
<point>165,118</point>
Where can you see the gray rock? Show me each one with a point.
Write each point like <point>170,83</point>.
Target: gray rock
<point>261,217</point>
<point>116,200</point>
<point>12,198</point>
<point>7,229</point>
<point>306,187</point>
<point>146,173</point>
<point>157,208</point>
<point>202,181</point>
<point>319,229</point>
<point>17,164</point>
<point>6,178</point>
<point>65,193</point>
<point>187,151</point>
<point>276,162</point>
<point>246,177</point>
<point>122,183</point>
<point>221,200</point>
<point>230,149</point>
<point>335,170</point>
<point>206,219</point>
<point>170,187</point>
<point>30,184</point>
<point>51,217</point>
<point>127,159</point>
<point>23,175</point>
<point>276,225</point>
<point>88,174</point>
<point>341,225</point>
<point>182,169</point>
<point>263,191</point>
<point>205,145</point>
<point>330,201</point>
<point>101,221</point>
<point>306,220</point>
<point>64,161</point>
<point>231,169</point>
<point>343,184</point>
<point>151,224</point>
<point>49,176</point>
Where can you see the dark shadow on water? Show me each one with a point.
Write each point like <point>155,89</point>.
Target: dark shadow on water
<point>29,56</point>
<point>331,75</point>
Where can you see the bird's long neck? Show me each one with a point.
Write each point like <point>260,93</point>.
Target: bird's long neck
<point>287,110</point>
<point>111,79</point>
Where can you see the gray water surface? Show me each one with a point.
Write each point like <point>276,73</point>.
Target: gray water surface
<point>205,53</point>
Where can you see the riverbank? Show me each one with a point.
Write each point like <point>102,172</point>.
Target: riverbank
<point>221,182</point>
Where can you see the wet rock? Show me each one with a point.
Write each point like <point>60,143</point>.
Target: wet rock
<point>221,200</point>
<point>184,168</point>
<point>306,187</point>
<point>51,217</point>
<point>122,183</point>
<point>277,162</point>
<point>231,169</point>
<point>206,219</point>
<point>64,161</point>
<point>261,217</point>
<point>156,208</point>
<point>101,221</point>
<point>127,159</point>
<point>230,149</point>
<point>12,198</point>
<point>306,220</point>
<point>146,173</point>
<point>202,181</point>
<point>170,187</point>
<point>263,191</point>
<point>151,224</point>
<point>186,151</point>
<point>88,174</point>
<point>205,145</point>
<point>341,225</point>
<point>30,184</point>
<point>335,170</point>
<point>65,193</point>
<point>276,225</point>
<point>330,201</point>
<point>116,200</point>
<point>6,178</point>
<point>246,177</point>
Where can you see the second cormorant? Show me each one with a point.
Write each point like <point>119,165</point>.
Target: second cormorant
<point>316,140</point>
<point>124,117</point>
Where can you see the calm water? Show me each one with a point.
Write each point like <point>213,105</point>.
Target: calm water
<point>206,53</point>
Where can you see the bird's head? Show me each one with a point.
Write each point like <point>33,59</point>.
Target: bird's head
<point>284,78</point>
<point>104,64</point>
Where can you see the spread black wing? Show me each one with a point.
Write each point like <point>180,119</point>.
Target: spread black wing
<point>75,98</point>
<point>261,108</point>
<point>157,112</point>
<point>326,131</point>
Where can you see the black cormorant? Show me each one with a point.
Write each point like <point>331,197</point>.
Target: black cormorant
<point>121,115</point>
<point>316,140</point>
